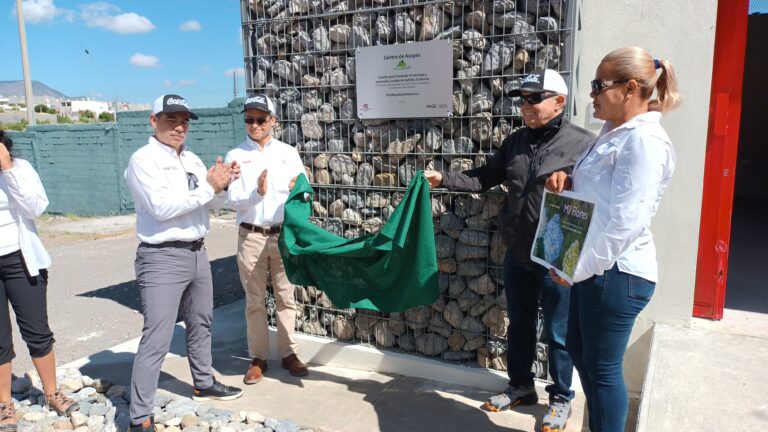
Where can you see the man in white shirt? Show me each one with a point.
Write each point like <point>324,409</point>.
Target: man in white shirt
<point>173,192</point>
<point>269,169</point>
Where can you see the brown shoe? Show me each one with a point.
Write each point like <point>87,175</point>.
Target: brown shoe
<point>7,417</point>
<point>294,365</point>
<point>60,403</point>
<point>255,371</point>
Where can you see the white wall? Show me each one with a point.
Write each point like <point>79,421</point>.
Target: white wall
<point>683,32</point>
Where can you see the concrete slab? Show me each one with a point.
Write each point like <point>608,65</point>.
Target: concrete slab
<point>335,396</point>
<point>705,379</point>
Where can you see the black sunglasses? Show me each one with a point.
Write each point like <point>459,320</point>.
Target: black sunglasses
<point>191,181</point>
<point>258,120</point>
<point>536,98</point>
<point>599,85</point>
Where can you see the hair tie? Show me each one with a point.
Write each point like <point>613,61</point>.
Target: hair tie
<point>656,64</point>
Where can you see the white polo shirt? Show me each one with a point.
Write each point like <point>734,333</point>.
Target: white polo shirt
<point>282,162</point>
<point>626,173</point>
<point>166,210</point>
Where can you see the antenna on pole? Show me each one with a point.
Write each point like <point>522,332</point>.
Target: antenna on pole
<point>25,65</point>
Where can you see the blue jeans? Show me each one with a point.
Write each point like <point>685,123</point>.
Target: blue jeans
<point>524,285</point>
<point>603,311</point>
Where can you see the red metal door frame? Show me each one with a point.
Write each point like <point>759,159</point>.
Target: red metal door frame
<point>720,162</point>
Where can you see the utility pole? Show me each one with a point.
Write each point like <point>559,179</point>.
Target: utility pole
<point>234,82</point>
<point>25,65</point>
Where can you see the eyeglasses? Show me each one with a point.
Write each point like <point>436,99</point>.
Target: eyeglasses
<point>599,85</point>
<point>258,120</point>
<point>536,98</point>
<point>191,181</point>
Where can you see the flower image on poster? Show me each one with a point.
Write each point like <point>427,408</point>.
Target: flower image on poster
<point>563,226</point>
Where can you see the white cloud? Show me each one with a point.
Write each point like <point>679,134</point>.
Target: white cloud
<point>167,84</point>
<point>190,26</point>
<point>42,11</point>
<point>206,69</point>
<point>144,61</point>
<point>235,71</point>
<point>186,83</point>
<point>108,17</point>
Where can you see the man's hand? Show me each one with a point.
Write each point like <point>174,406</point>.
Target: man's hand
<point>292,183</point>
<point>558,182</point>
<point>434,177</point>
<point>558,280</point>
<point>235,170</point>
<point>219,175</point>
<point>5,158</point>
<point>262,184</point>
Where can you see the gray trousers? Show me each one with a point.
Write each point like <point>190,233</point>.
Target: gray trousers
<point>170,277</point>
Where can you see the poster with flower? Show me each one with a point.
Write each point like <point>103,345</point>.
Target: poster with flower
<point>564,223</point>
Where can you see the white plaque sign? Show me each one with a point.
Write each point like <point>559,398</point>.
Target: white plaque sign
<point>405,80</point>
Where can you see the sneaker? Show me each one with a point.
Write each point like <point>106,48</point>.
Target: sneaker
<point>294,365</point>
<point>255,371</point>
<point>147,425</point>
<point>217,391</point>
<point>557,415</point>
<point>512,397</point>
<point>7,417</point>
<point>61,403</point>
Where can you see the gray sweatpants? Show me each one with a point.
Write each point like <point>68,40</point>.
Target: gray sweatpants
<point>170,277</point>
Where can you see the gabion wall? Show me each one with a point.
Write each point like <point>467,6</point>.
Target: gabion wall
<point>302,53</point>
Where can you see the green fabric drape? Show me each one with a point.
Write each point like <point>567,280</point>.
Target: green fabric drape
<point>389,271</point>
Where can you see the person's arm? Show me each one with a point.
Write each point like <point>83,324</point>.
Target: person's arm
<point>635,184</point>
<point>238,196</point>
<point>23,185</point>
<point>149,187</point>
<point>491,174</point>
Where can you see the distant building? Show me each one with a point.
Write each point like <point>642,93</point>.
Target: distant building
<point>74,108</point>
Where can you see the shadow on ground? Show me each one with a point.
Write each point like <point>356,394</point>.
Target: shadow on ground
<point>226,287</point>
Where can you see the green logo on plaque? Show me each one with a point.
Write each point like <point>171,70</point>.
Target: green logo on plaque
<point>401,65</point>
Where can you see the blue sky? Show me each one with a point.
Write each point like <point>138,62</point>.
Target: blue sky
<point>138,49</point>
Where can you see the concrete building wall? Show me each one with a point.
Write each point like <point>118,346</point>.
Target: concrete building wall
<point>683,32</point>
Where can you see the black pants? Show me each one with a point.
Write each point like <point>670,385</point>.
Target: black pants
<point>27,295</point>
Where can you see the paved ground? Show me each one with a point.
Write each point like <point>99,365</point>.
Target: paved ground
<point>92,303</point>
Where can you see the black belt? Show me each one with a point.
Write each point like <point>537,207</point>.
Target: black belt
<point>195,245</point>
<point>274,229</point>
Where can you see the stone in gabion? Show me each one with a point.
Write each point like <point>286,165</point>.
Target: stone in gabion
<point>407,342</point>
<point>431,344</point>
<point>438,325</point>
<point>418,317</point>
<point>465,252</point>
<point>372,225</point>
<point>451,224</point>
<point>497,322</point>
<point>444,246</point>
<point>482,285</point>
<point>456,341</point>
<point>342,328</point>
<point>473,343</point>
<point>460,145</point>
<point>321,39</point>
<point>384,336</point>
<point>474,238</point>
<point>548,57</point>
<point>386,179</point>
<point>453,314</point>
<point>471,268</point>
<point>405,28</point>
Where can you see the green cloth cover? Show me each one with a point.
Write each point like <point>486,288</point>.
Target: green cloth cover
<point>389,271</point>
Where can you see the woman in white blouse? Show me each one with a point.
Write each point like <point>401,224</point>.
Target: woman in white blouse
<point>625,172</point>
<point>23,282</point>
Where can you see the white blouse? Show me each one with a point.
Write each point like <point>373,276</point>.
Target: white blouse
<point>626,172</point>
<point>22,200</point>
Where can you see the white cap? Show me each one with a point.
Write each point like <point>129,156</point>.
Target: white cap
<point>547,80</point>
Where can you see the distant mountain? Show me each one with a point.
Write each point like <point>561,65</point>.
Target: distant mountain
<point>16,88</point>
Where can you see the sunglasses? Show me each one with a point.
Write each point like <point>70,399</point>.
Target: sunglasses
<point>599,85</point>
<point>258,120</point>
<point>536,98</point>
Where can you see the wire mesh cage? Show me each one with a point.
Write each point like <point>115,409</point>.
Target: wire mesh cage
<point>302,54</point>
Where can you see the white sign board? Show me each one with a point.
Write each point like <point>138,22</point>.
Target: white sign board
<point>405,80</point>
